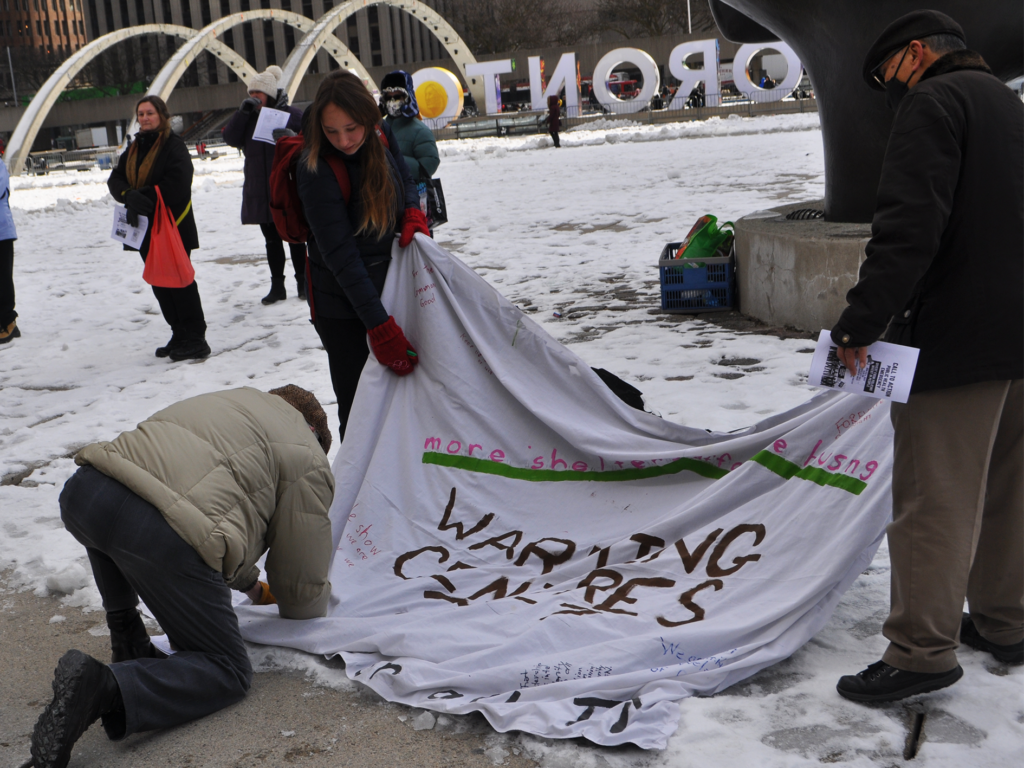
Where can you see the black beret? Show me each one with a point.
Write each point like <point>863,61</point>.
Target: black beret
<point>916,25</point>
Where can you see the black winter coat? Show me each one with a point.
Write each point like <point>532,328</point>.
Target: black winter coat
<point>347,270</point>
<point>172,172</point>
<point>946,257</point>
<point>259,157</point>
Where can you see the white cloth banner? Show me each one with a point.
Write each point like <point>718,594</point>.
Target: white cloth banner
<point>515,540</point>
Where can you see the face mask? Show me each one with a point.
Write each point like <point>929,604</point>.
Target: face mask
<point>394,100</point>
<point>896,89</point>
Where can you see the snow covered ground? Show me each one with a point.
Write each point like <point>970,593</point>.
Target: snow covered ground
<point>576,232</point>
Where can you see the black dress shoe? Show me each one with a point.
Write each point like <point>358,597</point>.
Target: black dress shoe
<point>880,682</point>
<point>83,691</point>
<point>128,637</point>
<point>193,349</point>
<point>1008,654</point>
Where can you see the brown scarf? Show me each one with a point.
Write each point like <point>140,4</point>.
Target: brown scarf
<point>139,174</point>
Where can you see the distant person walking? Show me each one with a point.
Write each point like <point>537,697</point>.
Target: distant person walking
<point>8,234</point>
<point>259,156</point>
<point>158,158</point>
<point>351,237</point>
<point>554,118</point>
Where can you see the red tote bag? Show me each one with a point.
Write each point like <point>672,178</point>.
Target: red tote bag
<point>167,263</point>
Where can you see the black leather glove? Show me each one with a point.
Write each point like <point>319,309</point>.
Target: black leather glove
<point>280,133</point>
<point>249,106</point>
<point>138,205</point>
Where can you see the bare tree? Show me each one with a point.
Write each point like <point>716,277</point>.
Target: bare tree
<point>653,18</point>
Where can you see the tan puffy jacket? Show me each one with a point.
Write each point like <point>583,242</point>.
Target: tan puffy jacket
<point>236,473</point>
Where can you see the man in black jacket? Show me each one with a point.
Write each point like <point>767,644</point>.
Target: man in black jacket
<point>945,272</point>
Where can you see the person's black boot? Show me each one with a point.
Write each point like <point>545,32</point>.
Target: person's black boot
<point>128,637</point>
<point>9,332</point>
<point>193,348</point>
<point>171,345</point>
<point>880,682</point>
<point>277,291</point>
<point>1008,654</point>
<point>83,691</point>
<point>300,282</point>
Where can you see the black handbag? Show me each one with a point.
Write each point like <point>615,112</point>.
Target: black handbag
<point>437,209</point>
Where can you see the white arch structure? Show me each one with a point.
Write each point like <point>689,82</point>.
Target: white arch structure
<point>169,75</point>
<point>319,34</point>
<point>28,127</point>
<point>206,39</point>
<point>298,61</point>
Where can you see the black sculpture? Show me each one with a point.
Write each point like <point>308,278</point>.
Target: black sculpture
<point>831,38</point>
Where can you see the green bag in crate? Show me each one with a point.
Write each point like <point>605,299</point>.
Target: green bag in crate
<point>705,240</point>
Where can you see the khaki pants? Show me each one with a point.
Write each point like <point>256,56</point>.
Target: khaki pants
<point>958,522</point>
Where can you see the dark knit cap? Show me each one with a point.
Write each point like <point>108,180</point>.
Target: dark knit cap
<point>307,404</point>
<point>916,25</point>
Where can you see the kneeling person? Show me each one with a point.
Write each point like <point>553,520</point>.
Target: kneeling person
<point>178,511</point>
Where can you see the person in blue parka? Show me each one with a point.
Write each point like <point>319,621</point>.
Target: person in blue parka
<point>415,140</point>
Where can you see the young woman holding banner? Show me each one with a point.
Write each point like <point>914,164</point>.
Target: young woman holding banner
<point>351,236</point>
<point>159,158</point>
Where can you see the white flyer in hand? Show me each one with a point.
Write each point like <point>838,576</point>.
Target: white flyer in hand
<point>269,121</point>
<point>124,232</point>
<point>888,374</point>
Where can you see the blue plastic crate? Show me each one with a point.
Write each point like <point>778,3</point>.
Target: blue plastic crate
<point>707,288</point>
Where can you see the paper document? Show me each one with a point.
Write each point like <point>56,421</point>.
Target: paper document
<point>124,232</point>
<point>269,121</point>
<point>888,375</point>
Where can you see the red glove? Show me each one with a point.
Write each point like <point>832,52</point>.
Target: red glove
<point>412,222</point>
<point>391,348</point>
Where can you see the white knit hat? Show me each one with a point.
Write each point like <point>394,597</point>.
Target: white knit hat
<point>266,82</point>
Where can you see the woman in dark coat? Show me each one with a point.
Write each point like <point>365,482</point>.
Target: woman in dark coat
<point>259,156</point>
<point>351,239</point>
<point>159,158</point>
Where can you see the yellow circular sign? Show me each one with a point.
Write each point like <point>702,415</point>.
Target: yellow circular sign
<point>432,98</point>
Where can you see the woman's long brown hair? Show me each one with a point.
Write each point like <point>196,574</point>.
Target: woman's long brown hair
<point>347,92</point>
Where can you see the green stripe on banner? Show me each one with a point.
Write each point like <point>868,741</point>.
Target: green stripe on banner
<point>488,467</point>
<point>787,469</point>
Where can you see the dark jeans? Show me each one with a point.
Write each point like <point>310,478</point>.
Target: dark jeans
<point>347,349</point>
<point>275,254</point>
<point>554,138</point>
<point>135,552</point>
<point>182,309</point>
<point>7,313</point>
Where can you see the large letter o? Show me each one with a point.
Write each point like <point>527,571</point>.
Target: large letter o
<point>439,95</point>
<point>741,72</point>
<point>648,68</point>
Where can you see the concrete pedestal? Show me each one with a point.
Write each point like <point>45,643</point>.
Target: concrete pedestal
<point>796,273</point>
